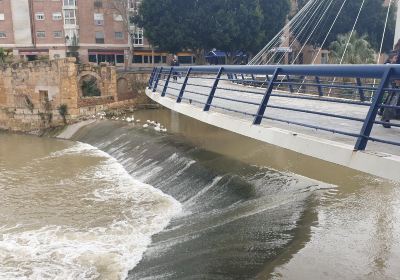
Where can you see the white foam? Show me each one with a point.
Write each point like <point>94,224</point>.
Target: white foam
<point>100,252</point>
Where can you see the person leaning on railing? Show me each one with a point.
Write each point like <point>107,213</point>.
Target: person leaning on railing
<point>393,97</point>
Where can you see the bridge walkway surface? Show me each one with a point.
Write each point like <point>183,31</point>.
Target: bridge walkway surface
<point>229,90</point>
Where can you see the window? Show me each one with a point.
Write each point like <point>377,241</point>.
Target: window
<point>160,59</point>
<point>92,58</point>
<point>134,6</point>
<point>3,34</point>
<point>120,58</point>
<point>98,4</point>
<point>1,16</point>
<point>69,3</point>
<point>98,19</point>
<point>324,58</point>
<point>137,59</point>
<point>119,35</point>
<point>99,37</point>
<point>138,37</point>
<point>57,16</point>
<point>69,17</point>
<point>57,34</point>
<point>185,59</point>
<point>40,34</point>
<point>39,16</point>
<point>148,59</point>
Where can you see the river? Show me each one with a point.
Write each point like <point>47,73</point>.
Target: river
<point>123,201</point>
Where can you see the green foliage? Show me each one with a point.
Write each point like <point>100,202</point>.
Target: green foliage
<point>229,25</point>
<point>63,111</point>
<point>359,51</point>
<point>371,22</point>
<point>5,56</point>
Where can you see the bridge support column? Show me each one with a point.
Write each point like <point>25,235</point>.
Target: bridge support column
<point>365,133</point>
<point>213,90</point>
<point>264,102</point>
<point>179,100</point>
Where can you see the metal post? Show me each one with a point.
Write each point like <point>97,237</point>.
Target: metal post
<point>320,91</point>
<point>213,89</point>
<point>253,80</point>
<point>290,85</point>
<point>362,141</point>
<point>179,100</point>
<point>151,77</point>
<point>167,82</point>
<point>158,75</point>
<point>360,90</point>
<point>264,102</point>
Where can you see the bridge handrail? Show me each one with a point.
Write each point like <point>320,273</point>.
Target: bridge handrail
<point>372,79</point>
<point>331,70</point>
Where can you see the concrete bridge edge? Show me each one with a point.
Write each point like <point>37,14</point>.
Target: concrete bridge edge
<point>379,164</point>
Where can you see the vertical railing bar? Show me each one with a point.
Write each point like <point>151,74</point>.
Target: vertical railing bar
<point>253,80</point>
<point>377,99</point>
<point>264,102</point>
<point>360,90</point>
<point>179,100</point>
<point>152,77</point>
<point>320,90</point>
<point>157,79</point>
<point>213,90</point>
<point>290,85</point>
<point>167,82</point>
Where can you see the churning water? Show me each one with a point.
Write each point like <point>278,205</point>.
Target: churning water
<point>71,211</point>
<point>194,203</point>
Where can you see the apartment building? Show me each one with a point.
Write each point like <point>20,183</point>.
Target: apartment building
<point>89,29</point>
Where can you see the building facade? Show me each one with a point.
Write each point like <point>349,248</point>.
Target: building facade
<point>92,30</point>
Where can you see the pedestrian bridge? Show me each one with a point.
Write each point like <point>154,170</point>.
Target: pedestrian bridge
<point>328,112</point>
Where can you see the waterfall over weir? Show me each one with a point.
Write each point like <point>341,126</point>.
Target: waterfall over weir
<point>235,217</point>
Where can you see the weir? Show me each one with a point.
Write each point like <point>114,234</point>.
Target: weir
<point>327,112</point>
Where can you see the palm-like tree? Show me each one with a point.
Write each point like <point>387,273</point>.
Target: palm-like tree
<point>358,51</point>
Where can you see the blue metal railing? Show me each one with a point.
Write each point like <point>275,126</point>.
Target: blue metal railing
<point>361,86</point>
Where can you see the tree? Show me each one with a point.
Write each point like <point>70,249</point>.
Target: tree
<point>371,22</point>
<point>358,50</point>
<point>237,26</point>
<point>200,25</point>
<point>275,15</point>
<point>122,9</point>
